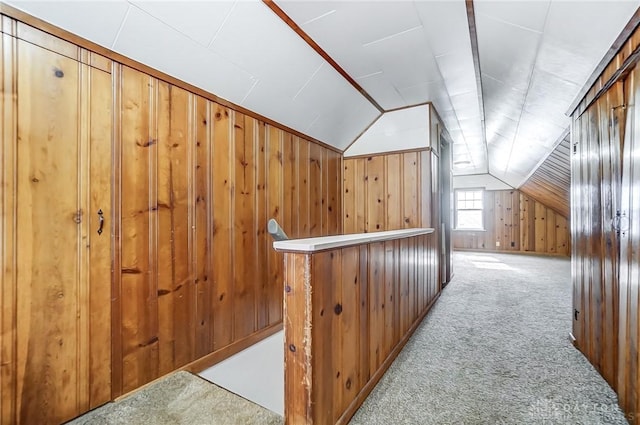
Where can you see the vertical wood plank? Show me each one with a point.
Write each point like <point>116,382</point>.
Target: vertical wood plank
<point>627,382</point>
<point>304,195</point>
<point>315,187</point>
<point>393,182</point>
<point>261,196</point>
<point>363,317</point>
<point>202,258</point>
<point>375,201</point>
<point>333,193</point>
<point>139,297</point>
<point>244,232</point>
<point>390,304</point>
<point>100,252</point>
<point>376,300</point>
<point>361,196</point>
<point>349,195</point>
<point>410,190</point>
<point>275,210</point>
<point>8,230</point>
<point>336,349</point>
<point>176,280</point>
<point>426,220</point>
<point>290,178</point>
<point>350,334</point>
<point>298,340</point>
<point>324,315</point>
<point>540,227</point>
<point>224,190</point>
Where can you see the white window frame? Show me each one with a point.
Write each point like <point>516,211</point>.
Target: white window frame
<point>482,210</point>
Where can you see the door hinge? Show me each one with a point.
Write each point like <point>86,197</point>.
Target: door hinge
<point>620,223</point>
<point>575,314</point>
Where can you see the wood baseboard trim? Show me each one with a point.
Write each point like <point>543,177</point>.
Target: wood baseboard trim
<point>366,390</point>
<point>209,360</point>
<point>494,251</point>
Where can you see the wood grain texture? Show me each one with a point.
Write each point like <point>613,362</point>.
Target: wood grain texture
<point>347,296</point>
<point>628,378</point>
<point>596,177</point>
<point>99,103</point>
<point>186,186</point>
<point>516,222</point>
<point>194,284</point>
<point>550,184</point>
<point>385,192</point>
<point>64,37</point>
<point>8,230</point>
<point>55,158</point>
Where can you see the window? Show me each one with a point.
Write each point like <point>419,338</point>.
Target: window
<point>469,209</point>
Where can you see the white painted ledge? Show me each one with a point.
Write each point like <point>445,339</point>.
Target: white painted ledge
<point>340,241</point>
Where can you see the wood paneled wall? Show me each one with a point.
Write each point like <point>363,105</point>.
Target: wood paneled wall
<point>595,192</point>
<point>628,378</point>
<point>340,338</point>
<point>515,222</point>
<point>605,212</point>
<point>551,182</point>
<point>55,174</point>
<point>186,187</point>
<point>198,183</point>
<point>388,192</point>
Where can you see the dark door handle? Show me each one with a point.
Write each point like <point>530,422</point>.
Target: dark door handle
<point>101,218</point>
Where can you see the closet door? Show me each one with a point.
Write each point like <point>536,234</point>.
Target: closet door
<point>629,224</point>
<point>62,237</point>
<point>595,179</point>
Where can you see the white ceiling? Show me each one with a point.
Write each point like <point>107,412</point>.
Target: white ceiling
<point>534,55</point>
<point>408,127</point>
<point>404,53</point>
<point>240,51</point>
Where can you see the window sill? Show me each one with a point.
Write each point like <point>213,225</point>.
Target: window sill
<point>469,230</point>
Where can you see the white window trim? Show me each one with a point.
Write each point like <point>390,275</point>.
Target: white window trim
<point>455,209</point>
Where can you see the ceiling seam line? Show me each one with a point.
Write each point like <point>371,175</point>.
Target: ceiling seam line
<point>320,51</point>
<point>526,95</point>
<point>449,95</point>
<point>124,20</point>
<point>224,22</point>
<point>475,52</point>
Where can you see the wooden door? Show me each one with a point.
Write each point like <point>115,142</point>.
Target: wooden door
<point>446,207</point>
<point>629,225</point>
<point>60,279</point>
<point>596,139</point>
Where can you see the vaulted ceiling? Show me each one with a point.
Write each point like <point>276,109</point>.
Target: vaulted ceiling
<point>501,74</point>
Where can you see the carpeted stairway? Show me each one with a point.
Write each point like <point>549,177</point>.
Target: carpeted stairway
<point>180,399</point>
<point>495,349</point>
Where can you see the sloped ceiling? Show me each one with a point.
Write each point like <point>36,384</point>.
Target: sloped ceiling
<point>408,127</point>
<point>535,57</point>
<point>551,181</point>
<point>504,112</point>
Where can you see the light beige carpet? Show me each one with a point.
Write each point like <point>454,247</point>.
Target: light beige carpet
<point>180,398</point>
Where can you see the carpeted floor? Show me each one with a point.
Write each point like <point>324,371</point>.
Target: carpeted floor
<point>180,399</point>
<point>495,349</point>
